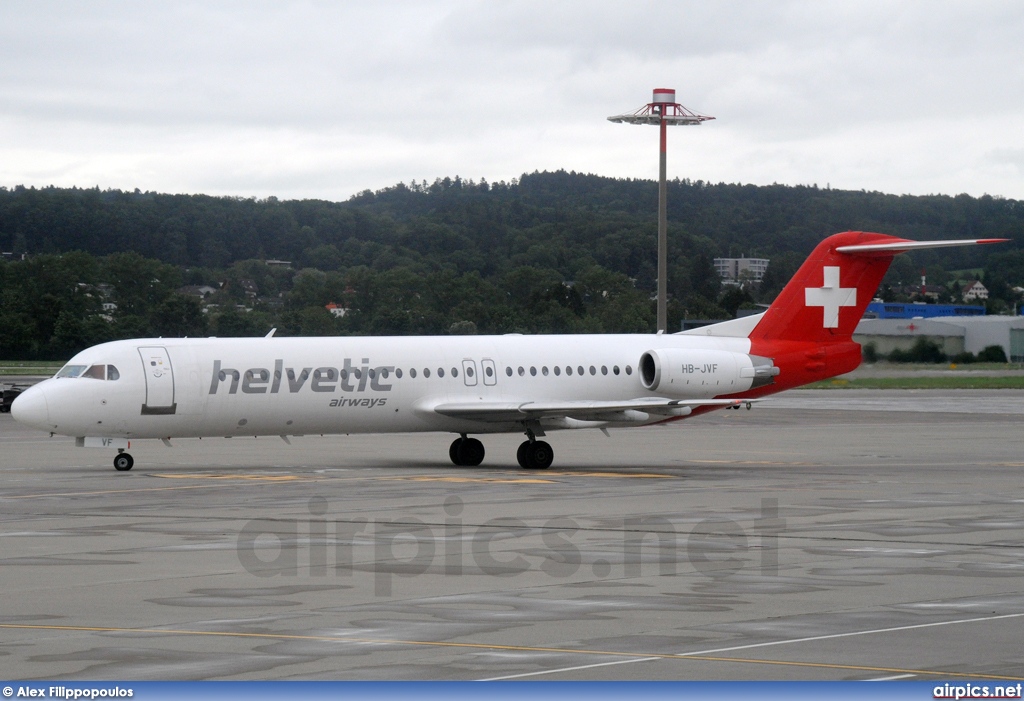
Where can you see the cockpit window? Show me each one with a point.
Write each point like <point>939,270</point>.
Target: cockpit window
<point>96,372</point>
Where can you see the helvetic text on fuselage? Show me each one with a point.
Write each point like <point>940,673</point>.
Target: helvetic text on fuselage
<point>347,378</point>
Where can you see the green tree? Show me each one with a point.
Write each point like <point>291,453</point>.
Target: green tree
<point>179,316</point>
<point>703,276</point>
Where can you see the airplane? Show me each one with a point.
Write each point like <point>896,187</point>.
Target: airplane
<point>113,393</point>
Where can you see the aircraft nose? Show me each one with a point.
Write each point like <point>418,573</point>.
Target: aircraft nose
<point>30,408</point>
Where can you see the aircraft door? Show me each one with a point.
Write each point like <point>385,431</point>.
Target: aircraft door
<point>469,372</point>
<point>156,366</point>
<point>490,372</point>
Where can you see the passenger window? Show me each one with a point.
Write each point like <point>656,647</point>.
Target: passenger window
<point>629,369</point>
<point>593,371</point>
<point>398,373</point>
<point>372,373</point>
<point>440,372</point>
<point>344,374</point>
<point>604,369</point>
<point>469,371</point>
<point>96,372</point>
<point>412,373</point>
<point>508,371</point>
<point>533,371</point>
<point>489,372</point>
<point>558,371</point>
<point>455,372</point>
<point>544,370</point>
<point>521,371</point>
<point>426,372</point>
<point>568,369</point>
<point>580,370</point>
<point>615,369</point>
<point>112,373</point>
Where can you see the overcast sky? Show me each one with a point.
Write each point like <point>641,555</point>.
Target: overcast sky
<point>311,99</point>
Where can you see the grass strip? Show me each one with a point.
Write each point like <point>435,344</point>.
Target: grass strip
<point>951,382</point>
<point>30,367</point>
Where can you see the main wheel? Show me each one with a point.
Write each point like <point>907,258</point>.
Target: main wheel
<point>538,455</point>
<point>470,452</point>
<point>453,451</point>
<point>123,462</point>
<point>521,454</point>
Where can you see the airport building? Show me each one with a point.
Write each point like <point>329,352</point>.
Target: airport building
<point>909,310</point>
<point>952,334</point>
<point>733,270</point>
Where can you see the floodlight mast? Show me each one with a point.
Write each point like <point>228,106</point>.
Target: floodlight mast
<point>664,111</point>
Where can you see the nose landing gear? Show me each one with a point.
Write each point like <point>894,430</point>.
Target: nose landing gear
<point>123,462</point>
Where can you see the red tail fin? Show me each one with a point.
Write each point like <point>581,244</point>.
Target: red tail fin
<point>826,298</point>
<point>807,331</point>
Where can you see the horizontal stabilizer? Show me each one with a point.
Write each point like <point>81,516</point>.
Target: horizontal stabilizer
<point>901,246</point>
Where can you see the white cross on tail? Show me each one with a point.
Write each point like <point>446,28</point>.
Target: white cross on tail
<point>830,297</point>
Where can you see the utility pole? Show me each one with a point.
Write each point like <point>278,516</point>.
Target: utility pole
<point>664,111</point>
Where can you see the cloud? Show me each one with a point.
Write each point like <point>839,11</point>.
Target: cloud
<point>306,99</point>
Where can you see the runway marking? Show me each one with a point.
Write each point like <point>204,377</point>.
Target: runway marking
<point>743,660</point>
<point>294,479</point>
<point>524,480</point>
<point>105,491</point>
<point>892,678</point>
<point>249,477</point>
<point>752,462</point>
<point>637,475</point>
<point>701,655</point>
<point>252,478</point>
<point>483,480</point>
<point>570,669</point>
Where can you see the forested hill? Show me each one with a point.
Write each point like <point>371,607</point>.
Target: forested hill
<point>549,252</point>
<point>558,216</point>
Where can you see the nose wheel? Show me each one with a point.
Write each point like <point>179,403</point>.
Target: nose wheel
<point>123,462</point>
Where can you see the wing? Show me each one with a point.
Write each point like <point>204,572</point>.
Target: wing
<point>582,410</point>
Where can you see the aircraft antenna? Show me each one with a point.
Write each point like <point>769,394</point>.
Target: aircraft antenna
<point>664,111</point>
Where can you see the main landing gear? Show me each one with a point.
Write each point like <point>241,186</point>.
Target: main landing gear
<point>535,455</point>
<point>123,462</point>
<point>469,452</point>
<point>466,452</point>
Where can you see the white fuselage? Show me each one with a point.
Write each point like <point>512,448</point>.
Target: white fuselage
<point>291,386</point>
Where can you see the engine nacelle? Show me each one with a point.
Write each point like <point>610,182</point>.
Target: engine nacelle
<point>701,374</point>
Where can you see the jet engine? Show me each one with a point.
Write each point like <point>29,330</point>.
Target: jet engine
<point>701,374</point>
